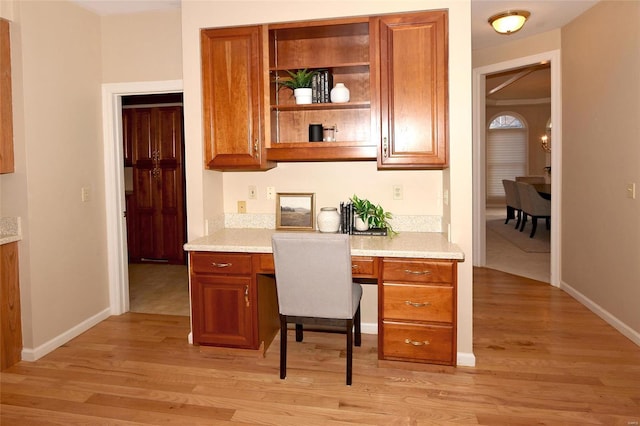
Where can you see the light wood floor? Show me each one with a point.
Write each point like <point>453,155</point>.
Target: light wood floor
<point>542,358</point>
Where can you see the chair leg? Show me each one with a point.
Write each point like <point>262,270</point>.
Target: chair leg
<point>524,221</point>
<point>548,222</point>
<point>510,214</point>
<point>299,333</point>
<point>283,346</point>
<point>534,222</point>
<point>349,350</point>
<point>356,318</point>
<point>518,218</point>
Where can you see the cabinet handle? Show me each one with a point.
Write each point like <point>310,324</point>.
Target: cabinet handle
<point>246,295</point>
<point>354,267</point>
<point>416,304</point>
<point>409,271</point>
<point>255,148</point>
<point>221,265</point>
<point>385,147</point>
<point>416,342</point>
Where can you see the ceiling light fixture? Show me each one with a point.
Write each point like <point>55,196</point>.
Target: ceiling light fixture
<point>509,22</point>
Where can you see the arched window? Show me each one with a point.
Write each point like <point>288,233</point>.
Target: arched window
<point>506,153</point>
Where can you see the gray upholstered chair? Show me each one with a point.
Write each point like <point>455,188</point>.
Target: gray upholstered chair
<point>530,179</point>
<point>512,199</point>
<point>315,286</point>
<point>533,205</point>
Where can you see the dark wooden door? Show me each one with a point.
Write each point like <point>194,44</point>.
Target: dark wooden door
<point>158,184</point>
<point>413,90</point>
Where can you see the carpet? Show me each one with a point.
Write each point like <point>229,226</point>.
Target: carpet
<point>540,243</point>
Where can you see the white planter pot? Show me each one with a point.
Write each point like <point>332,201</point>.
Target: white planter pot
<point>360,224</point>
<point>303,95</point>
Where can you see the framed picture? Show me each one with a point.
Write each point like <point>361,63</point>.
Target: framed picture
<point>295,211</point>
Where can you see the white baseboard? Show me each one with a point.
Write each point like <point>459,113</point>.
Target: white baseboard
<point>33,354</point>
<point>623,328</point>
<point>369,328</point>
<point>465,359</point>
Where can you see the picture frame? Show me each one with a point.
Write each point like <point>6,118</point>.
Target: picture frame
<point>296,211</point>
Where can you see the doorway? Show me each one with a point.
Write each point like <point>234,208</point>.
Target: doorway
<point>153,148</point>
<point>479,155</point>
<point>112,95</point>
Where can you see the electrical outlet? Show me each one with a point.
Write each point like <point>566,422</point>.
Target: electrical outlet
<point>253,194</point>
<point>242,206</point>
<point>445,197</point>
<point>271,193</point>
<point>397,192</point>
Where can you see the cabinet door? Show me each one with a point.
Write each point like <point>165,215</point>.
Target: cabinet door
<point>6,107</point>
<point>222,312</point>
<point>413,90</point>
<point>232,95</point>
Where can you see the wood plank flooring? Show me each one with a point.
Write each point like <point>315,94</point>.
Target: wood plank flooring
<point>542,358</point>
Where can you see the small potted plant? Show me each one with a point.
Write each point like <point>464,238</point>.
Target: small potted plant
<point>300,82</point>
<point>372,215</point>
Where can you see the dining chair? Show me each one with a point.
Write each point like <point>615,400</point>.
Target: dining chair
<point>314,285</point>
<point>534,205</point>
<point>512,199</point>
<point>531,179</point>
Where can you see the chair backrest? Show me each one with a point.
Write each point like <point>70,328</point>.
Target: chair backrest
<point>313,274</point>
<point>511,193</point>
<point>532,202</point>
<point>530,179</point>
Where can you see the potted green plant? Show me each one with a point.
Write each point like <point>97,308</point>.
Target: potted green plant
<point>373,215</point>
<point>300,82</point>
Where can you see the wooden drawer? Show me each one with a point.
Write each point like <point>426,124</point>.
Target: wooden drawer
<point>220,263</point>
<point>364,267</point>
<point>418,342</point>
<point>418,270</point>
<point>418,302</point>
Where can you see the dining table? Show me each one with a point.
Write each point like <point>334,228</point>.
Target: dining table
<point>544,189</point>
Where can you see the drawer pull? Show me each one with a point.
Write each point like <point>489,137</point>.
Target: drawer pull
<point>246,295</point>
<point>416,342</point>
<point>416,304</point>
<point>409,271</point>
<point>354,267</point>
<point>221,265</point>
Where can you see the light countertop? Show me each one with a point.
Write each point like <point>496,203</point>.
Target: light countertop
<point>10,230</point>
<point>431,245</point>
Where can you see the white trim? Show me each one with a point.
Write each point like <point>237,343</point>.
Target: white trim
<point>614,322</point>
<point>479,163</point>
<point>61,339</point>
<point>112,94</point>
<point>369,328</point>
<point>465,359</point>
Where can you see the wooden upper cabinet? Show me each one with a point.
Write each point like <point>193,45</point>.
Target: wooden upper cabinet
<point>6,109</point>
<point>233,98</point>
<point>413,89</point>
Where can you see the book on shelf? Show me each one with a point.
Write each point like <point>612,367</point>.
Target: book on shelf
<point>371,231</point>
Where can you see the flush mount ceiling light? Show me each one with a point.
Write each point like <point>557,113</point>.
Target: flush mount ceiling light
<point>509,22</point>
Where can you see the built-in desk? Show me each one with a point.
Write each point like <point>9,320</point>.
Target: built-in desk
<point>234,302</point>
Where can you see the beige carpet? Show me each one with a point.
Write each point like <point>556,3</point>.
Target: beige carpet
<point>159,289</point>
<point>540,243</point>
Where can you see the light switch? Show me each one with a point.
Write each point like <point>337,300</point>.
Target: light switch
<point>631,190</point>
<point>271,193</point>
<point>242,206</point>
<point>85,194</point>
<point>252,192</point>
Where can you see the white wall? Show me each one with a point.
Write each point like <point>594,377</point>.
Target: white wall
<point>212,193</point>
<point>58,151</point>
<point>601,155</point>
